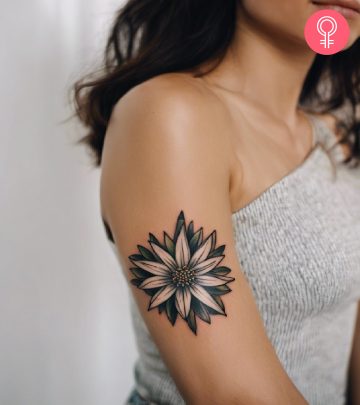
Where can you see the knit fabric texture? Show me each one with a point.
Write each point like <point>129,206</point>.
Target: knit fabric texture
<point>298,244</point>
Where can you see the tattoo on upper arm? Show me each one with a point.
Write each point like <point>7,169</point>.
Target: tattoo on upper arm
<point>182,275</point>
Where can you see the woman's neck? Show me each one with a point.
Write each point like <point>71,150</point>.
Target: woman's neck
<point>265,70</point>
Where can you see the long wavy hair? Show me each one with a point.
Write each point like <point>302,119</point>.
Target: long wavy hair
<point>151,37</point>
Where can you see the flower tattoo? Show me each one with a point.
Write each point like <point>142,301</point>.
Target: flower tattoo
<point>182,275</point>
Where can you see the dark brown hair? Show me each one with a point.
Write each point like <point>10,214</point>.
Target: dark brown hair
<point>151,37</point>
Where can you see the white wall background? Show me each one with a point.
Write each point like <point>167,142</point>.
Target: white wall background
<point>65,332</point>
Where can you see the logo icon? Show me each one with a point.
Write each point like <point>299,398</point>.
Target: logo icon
<point>323,29</point>
<point>327,32</point>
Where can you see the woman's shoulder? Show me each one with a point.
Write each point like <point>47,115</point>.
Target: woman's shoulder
<point>171,105</point>
<point>177,86</point>
<point>164,134</point>
<point>169,93</point>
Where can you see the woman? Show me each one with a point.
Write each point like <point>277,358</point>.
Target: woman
<point>217,132</point>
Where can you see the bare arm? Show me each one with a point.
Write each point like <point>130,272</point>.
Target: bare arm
<point>354,370</point>
<point>165,194</point>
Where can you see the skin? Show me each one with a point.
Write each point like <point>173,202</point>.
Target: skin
<point>194,144</point>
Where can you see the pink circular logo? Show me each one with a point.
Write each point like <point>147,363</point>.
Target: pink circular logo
<point>327,32</point>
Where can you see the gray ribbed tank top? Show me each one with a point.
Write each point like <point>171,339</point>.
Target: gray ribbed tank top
<point>298,244</point>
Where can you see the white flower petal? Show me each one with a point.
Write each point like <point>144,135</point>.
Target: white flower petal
<point>164,256</point>
<point>182,250</point>
<point>209,281</point>
<point>201,294</point>
<point>207,265</point>
<point>154,282</point>
<point>156,268</point>
<point>182,301</point>
<point>162,295</point>
<point>202,253</point>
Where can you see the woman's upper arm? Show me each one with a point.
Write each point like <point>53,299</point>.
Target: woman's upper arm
<point>164,191</point>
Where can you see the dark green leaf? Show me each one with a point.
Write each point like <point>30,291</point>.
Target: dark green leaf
<point>218,290</point>
<point>200,310</point>
<point>219,301</point>
<point>212,311</point>
<point>136,282</point>
<point>228,279</point>
<point>221,271</point>
<point>217,252</point>
<point>213,240</point>
<point>153,239</point>
<point>170,245</point>
<point>140,273</point>
<point>171,311</point>
<point>136,257</point>
<point>191,320</point>
<point>196,240</point>
<point>190,231</point>
<point>179,223</point>
<point>181,216</point>
<point>147,254</point>
<point>149,291</point>
<point>162,307</point>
